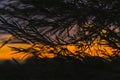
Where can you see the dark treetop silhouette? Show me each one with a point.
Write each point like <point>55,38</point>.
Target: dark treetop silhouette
<point>62,21</point>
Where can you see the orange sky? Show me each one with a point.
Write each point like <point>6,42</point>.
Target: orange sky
<point>7,53</point>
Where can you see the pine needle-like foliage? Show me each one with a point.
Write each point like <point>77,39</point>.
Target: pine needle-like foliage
<point>62,22</point>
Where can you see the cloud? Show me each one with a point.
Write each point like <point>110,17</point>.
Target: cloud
<point>4,3</point>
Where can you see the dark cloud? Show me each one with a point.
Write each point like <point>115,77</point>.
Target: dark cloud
<point>7,2</point>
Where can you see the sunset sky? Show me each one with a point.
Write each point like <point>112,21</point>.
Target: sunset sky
<point>7,53</point>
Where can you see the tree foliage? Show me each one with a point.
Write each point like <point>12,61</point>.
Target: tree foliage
<point>54,22</point>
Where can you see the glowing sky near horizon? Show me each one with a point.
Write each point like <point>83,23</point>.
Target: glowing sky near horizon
<point>7,53</point>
